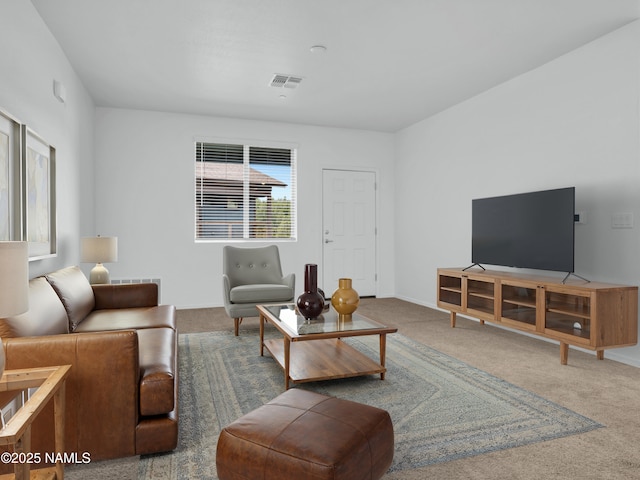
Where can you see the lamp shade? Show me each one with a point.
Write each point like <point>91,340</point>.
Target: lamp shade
<point>99,249</point>
<point>14,278</point>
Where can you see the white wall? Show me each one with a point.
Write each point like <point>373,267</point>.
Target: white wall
<point>145,195</point>
<point>31,60</point>
<point>571,122</point>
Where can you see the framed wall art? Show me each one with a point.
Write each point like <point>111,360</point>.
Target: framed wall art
<point>10,185</point>
<point>39,195</point>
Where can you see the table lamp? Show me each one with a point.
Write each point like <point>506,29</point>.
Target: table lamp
<point>99,250</point>
<point>14,283</point>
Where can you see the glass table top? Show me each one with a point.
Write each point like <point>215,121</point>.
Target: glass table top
<point>328,322</point>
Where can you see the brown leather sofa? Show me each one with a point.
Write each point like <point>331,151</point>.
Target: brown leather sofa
<point>122,392</point>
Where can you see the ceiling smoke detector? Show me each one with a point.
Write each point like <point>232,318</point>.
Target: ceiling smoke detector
<point>285,81</point>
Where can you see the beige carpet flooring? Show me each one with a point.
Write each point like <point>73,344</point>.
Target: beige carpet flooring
<point>605,391</point>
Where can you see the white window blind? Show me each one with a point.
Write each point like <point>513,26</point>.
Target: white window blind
<point>245,192</point>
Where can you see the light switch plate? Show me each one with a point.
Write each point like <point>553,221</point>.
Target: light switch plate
<point>622,220</point>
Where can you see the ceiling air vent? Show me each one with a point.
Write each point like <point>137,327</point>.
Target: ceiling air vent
<point>285,81</point>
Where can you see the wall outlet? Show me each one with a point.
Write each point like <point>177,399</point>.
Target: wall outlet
<point>580,217</point>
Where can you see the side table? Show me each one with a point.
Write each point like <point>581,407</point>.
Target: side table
<point>50,382</point>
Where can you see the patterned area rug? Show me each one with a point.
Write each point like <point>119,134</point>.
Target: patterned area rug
<point>442,409</point>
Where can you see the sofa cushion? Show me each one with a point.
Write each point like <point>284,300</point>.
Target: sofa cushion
<point>46,315</point>
<point>129,318</point>
<point>261,293</point>
<point>157,351</point>
<point>75,292</point>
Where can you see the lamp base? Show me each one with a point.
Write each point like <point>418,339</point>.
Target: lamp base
<point>99,275</point>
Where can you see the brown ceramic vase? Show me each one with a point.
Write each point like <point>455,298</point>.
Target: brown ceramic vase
<point>310,303</point>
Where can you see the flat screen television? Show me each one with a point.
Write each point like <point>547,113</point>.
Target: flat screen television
<point>527,230</point>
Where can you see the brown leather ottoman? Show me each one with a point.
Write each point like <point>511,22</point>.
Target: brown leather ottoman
<point>301,434</point>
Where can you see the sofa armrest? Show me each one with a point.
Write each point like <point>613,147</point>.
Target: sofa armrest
<point>101,408</point>
<point>129,295</point>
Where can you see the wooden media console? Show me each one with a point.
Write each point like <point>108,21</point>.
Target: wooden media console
<point>590,315</point>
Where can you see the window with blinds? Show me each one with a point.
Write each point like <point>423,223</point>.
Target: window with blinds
<point>245,192</point>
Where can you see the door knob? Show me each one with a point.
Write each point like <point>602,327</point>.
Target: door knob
<point>326,240</point>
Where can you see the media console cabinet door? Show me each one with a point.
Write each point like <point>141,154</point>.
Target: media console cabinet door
<point>480,294</point>
<point>568,315</point>
<point>450,292</point>
<point>519,305</point>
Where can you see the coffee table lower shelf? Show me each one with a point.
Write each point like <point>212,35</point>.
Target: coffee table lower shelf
<point>326,359</point>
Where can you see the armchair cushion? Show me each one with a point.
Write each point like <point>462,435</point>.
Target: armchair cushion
<point>252,266</point>
<point>261,293</point>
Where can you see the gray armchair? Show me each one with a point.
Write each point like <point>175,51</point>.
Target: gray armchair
<point>253,276</point>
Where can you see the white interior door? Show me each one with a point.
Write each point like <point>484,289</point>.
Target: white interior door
<point>349,230</point>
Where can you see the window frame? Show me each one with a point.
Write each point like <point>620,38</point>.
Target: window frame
<point>246,144</point>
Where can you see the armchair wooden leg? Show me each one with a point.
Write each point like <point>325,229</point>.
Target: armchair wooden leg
<point>237,321</point>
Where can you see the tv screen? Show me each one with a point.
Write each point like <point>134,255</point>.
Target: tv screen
<point>527,230</point>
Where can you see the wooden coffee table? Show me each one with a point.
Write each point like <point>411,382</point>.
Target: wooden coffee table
<point>312,350</point>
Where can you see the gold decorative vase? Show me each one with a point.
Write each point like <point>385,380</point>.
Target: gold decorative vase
<point>345,299</point>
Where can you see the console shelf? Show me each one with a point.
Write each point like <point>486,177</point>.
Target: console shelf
<point>589,315</point>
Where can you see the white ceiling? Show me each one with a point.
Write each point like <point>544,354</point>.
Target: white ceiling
<point>388,64</point>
